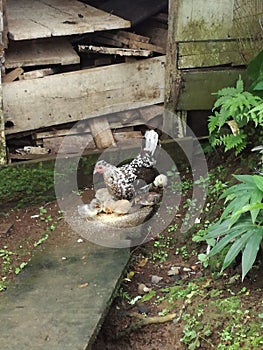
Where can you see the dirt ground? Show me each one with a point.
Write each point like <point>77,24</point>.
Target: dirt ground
<point>23,231</point>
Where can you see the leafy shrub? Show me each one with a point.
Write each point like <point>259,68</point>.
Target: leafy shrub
<point>237,112</point>
<point>234,110</point>
<point>240,227</point>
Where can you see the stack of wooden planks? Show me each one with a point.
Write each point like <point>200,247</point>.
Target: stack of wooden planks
<point>69,62</point>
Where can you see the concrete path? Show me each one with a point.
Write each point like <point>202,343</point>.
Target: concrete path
<point>60,299</point>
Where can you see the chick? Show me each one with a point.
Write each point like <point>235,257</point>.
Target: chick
<point>85,211</point>
<point>160,181</point>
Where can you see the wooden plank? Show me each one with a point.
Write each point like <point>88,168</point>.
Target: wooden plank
<point>32,19</point>
<point>172,74</point>
<point>204,20</point>
<point>68,97</point>
<point>3,24</point>
<point>199,87</point>
<point>135,11</point>
<point>218,20</point>
<point>158,35</point>
<point>3,157</point>
<point>115,51</point>
<point>40,52</point>
<point>101,132</point>
<point>71,143</point>
<point>149,113</point>
<point>39,73</point>
<point>127,136</point>
<point>209,54</point>
<point>13,75</point>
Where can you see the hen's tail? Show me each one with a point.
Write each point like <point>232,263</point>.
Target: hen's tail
<point>151,141</point>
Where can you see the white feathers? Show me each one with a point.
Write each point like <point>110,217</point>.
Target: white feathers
<point>86,211</point>
<point>151,141</point>
<point>160,181</point>
<point>258,148</point>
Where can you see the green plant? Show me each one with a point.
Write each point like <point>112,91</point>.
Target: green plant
<point>255,72</point>
<point>162,246</point>
<point>233,117</point>
<point>240,227</point>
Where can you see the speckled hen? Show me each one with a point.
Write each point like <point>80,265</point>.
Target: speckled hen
<point>122,182</point>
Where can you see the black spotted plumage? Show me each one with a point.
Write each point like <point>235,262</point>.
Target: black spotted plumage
<point>124,182</point>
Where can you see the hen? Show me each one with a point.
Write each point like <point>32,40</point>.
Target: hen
<point>122,182</point>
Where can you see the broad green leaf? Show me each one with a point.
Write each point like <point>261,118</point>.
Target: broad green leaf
<point>258,86</point>
<point>235,249</point>
<point>259,182</point>
<point>251,249</point>
<point>255,66</point>
<point>222,228</point>
<point>234,233</point>
<point>250,207</point>
<point>248,179</point>
<point>235,205</point>
<point>256,198</point>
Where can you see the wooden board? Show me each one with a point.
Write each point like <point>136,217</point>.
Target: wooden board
<point>101,132</point>
<point>135,11</point>
<point>204,20</point>
<point>217,20</point>
<point>199,87</point>
<point>32,19</point>
<point>68,97</point>
<point>40,52</point>
<point>71,143</point>
<point>209,54</point>
<point>115,51</point>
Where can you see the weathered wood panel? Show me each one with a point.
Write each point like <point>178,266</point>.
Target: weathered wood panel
<point>218,20</point>
<point>68,97</point>
<point>2,123</point>
<point>198,87</point>
<point>209,54</point>
<point>40,52</point>
<point>204,20</point>
<point>32,19</point>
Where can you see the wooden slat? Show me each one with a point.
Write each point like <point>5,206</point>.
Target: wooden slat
<point>68,97</point>
<point>13,75</point>
<point>151,112</point>
<point>39,73</point>
<point>203,20</point>
<point>115,51</point>
<point>209,54</point>
<point>220,20</point>
<point>41,52</point>
<point>71,143</point>
<point>193,97</point>
<point>101,132</point>
<point>32,19</point>
<point>127,136</point>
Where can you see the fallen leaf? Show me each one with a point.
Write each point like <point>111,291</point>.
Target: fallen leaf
<point>143,262</point>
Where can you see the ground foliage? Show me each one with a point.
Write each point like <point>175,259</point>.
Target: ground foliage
<point>185,306</point>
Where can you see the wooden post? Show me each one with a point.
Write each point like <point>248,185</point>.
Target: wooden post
<point>173,124</point>
<point>3,44</point>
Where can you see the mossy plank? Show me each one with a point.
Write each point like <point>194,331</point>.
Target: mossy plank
<point>218,20</point>
<point>199,87</point>
<point>209,54</point>
<point>2,129</point>
<point>204,20</point>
